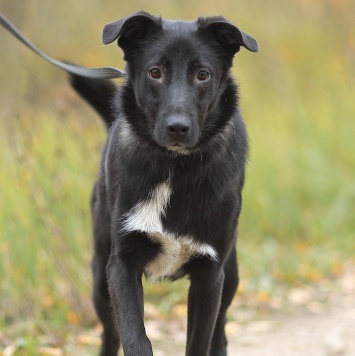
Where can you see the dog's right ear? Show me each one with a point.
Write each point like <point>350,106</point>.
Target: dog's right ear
<point>230,36</point>
<point>131,29</point>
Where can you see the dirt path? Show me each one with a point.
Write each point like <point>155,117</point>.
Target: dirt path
<point>316,321</point>
<point>330,333</point>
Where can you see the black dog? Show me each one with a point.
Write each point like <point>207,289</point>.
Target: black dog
<point>168,195</point>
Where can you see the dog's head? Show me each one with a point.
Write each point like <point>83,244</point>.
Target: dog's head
<point>178,70</point>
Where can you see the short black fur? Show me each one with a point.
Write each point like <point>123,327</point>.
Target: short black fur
<point>171,177</point>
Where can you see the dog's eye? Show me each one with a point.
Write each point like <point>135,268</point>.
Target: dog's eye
<point>154,73</point>
<point>203,75</point>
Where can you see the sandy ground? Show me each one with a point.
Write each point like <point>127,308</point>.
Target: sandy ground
<point>331,332</point>
<point>310,320</point>
<point>307,324</point>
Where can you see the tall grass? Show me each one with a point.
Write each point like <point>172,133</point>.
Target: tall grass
<point>297,96</point>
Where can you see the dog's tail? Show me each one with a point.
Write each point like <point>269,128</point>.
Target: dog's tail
<point>98,93</point>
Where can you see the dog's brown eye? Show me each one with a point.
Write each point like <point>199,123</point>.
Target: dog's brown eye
<point>203,75</point>
<point>154,73</point>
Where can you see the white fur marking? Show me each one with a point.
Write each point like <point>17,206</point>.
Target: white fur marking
<point>176,251</point>
<point>106,162</point>
<point>125,136</point>
<point>145,216</point>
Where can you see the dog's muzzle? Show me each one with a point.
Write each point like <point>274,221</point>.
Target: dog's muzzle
<point>179,131</point>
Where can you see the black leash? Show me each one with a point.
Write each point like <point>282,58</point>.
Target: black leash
<point>101,72</point>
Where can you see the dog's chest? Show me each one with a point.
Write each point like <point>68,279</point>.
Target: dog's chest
<point>146,216</point>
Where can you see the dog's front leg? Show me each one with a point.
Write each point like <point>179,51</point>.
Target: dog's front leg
<point>124,273</point>
<point>203,305</point>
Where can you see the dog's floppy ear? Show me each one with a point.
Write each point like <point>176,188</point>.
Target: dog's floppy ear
<point>130,29</point>
<point>230,36</point>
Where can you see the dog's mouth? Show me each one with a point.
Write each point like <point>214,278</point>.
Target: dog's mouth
<point>179,149</point>
<point>176,145</point>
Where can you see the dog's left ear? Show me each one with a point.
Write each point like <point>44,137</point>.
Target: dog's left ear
<point>230,36</point>
<point>130,29</point>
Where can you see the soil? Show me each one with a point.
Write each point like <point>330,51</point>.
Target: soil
<point>316,321</point>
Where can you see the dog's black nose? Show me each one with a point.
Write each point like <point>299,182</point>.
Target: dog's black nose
<point>177,127</point>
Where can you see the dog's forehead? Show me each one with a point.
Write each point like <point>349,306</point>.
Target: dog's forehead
<point>179,27</point>
<point>177,43</point>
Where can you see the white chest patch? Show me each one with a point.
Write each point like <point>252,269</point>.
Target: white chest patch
<point>146,216</point>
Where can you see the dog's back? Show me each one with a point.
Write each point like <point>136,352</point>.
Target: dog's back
<point>168,196</point>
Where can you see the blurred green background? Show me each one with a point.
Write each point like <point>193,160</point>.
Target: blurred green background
<point>298,100</point>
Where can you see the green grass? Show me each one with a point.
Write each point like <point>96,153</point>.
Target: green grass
<point>297,96</point>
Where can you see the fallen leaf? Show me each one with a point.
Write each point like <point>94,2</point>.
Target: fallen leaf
<point>72,318</point>
<point>89,340</point>
<point>9,350</point>
<point>49,351</point>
